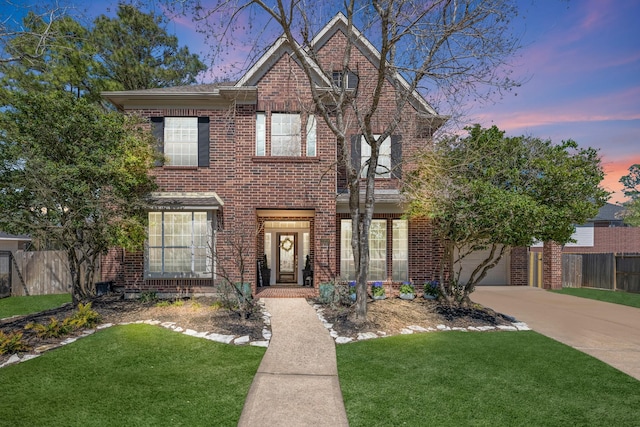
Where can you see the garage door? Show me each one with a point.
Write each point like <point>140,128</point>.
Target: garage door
<point>498,275</point>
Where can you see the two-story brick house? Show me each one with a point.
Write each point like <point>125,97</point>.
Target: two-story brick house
<point>251,163</point>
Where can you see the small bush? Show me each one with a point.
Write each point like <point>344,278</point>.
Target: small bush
<point>163,303</point>
<point>407,288</point>
<point>54,329</point>
<point>12,343</point>
<point>178,303</point>
<point>377,290</point>
<point>326,293</point>
<point>84,318</point>
<point>148,296</point>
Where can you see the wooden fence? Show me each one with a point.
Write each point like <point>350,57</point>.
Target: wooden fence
<point>603,271</point>
<point>41,272</point>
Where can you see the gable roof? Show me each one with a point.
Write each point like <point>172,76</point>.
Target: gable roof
<point>338,23</point>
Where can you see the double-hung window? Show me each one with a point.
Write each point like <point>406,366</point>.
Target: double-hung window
<point>377,250</point>
<point>383,168</point>
<point>285,134</point>
<point>389,156</point>
<point>181,140</point>
<point>180,244</point>
<point>280,135</point>
<point>184,141</point>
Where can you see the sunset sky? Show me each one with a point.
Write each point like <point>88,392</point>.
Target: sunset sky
<point>580,64</point>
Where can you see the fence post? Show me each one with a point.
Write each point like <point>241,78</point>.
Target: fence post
<point>615,271</point>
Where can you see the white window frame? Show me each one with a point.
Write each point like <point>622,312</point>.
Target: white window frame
<point>377,250</point>
<point>383,168</point>
<point>181,141</point>
<point>311,136</point>
<point>179,234</point>
<point>286,137</point>
<point>261,134</point>
<point>351,83</point>
<point>400,250</point>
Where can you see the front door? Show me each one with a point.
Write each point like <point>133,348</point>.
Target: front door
<point>287,265</point>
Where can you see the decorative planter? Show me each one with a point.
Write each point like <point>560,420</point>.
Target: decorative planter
<point>427,296</point>
<point>378,297</point>
<point>407,296</point>
<point>352,296</point>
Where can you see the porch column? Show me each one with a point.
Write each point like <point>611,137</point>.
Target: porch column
<point>552,265</point>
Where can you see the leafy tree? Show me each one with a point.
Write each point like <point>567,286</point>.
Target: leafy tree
<point>487,190</point>
<point>135,52</point>
<point>65,63</point>
<point>449,47</point>
<point>131,51</point>
<point>631,189</point>
<point>73,176</point>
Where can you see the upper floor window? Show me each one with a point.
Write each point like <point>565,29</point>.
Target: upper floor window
<point>311,135</point>
<point>285,135</point>
<point>184,141</point>
<point>181,140</point>
<point>389,156</point>
<point>350,80</point>
<point>383,169</point>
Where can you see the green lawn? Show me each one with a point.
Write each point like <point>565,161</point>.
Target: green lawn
<point>134,375</point>
<point>482,379</point>
<point>616,297</point>
<point>12,306</point>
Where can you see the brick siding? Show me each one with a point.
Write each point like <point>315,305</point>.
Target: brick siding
<point>248,183</point>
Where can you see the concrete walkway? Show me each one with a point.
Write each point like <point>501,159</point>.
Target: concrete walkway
<point>609,332</point>
<point>297,381</point>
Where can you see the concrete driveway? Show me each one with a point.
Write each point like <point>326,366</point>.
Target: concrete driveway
<point>609,332</point>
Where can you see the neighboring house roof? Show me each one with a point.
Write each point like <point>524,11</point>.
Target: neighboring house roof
<point>609,212</point>
<point>22,238</point>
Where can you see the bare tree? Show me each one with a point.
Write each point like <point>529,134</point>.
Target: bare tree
<point>11,26</point>
<point>232,252</point>
<point>442,48</point>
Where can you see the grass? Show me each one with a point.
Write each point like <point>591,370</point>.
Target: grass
<point>482,379</point>
<point>12,306</point>
<point>134,375</point>
<point>616,297</point>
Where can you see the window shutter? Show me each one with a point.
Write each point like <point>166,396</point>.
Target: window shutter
<point>356,149</point>
<point>396,156</point>
<point>203,142</point>
<point>157,129</point>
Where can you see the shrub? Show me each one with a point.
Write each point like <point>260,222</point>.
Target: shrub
<point>327,293</point>
<point>54,329</point>
<point>163,303</point>
<point>148,296</point>
<point>12,343</point>
<point>431,288</point>
<point>85,317</point>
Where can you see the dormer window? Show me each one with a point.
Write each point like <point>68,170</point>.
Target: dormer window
<point>351,78</point>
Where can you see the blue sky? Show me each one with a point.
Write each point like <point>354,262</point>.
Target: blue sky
<point>580,64</point>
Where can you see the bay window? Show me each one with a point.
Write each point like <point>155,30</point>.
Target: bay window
<point>179,244</point>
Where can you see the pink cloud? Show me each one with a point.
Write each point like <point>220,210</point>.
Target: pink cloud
<point>620,105</point>
<point>613,172</point>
